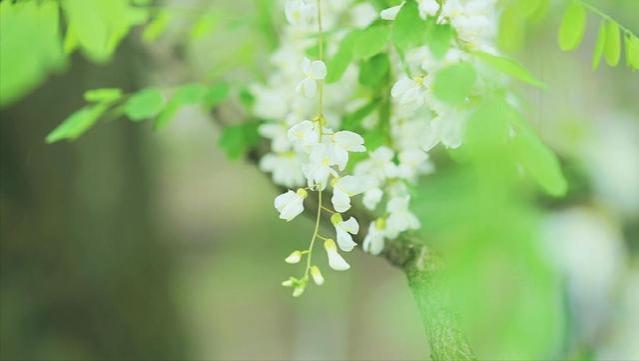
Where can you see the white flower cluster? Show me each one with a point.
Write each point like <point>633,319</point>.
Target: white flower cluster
<point>310,154</point>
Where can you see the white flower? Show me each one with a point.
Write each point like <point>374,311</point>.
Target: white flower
<point>363,14</point>
<point>342,143</point>
<point>318,168</point>
<point>391,13</point>
<point>410,93</point>
<point>374,240</point>
<point>317,276</point>
<point>335,260</point>
<point>428,8</point>
<point>300,12</point>
<point>304,134</point>
<point>277,133</point>
<point>314,71</point>
<point>372,197</point>
<point>294,257</point>
<point>412,163</point>
<point>290,204</point>
<point>400,218</point>
<point>344,229</point>
<point>286,168</point>
<point>343,189</point>
<point>378,166</point>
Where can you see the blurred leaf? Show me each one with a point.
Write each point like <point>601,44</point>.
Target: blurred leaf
<point>185,95</point>
<point>371,41</point>
<point>510,67</point>
<point>373,71</point>
<point>632,51</point>
<point>612,50</point>
<point>144,104</point>
<point>338,64</point>
<point>354,120</point>
<point>409,29</point>
<point>98,25</point>
<point>439,38</point>
<point>540,162</point>
<point>77,123</point>
<point>157,26</point>
<point>573,26</point>
<point>236,140</point>
<point>599,46</point>
<point>30,47</point>
<point>104,95</point>
<point>204,25</point>
<point>454,83</point>
<point>216,94</point>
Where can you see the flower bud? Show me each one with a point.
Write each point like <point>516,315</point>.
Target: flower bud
<point>336,219</point>
<point>302,193</point>
<point>288,283</point>
<point>317,276</point>
<point>294,257</point>
<point>335,260</point>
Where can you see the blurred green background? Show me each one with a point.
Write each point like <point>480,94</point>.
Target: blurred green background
<point>131,244</point>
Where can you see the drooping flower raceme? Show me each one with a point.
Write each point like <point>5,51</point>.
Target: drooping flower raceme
<point>334,157</point>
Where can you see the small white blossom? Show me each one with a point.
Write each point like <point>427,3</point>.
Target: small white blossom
<point>278,134</point>
<point>286,168</point>
<point>412,163</point>
<point>343,189</point>
<point>342,143</point>
<point>428,8</point>
<point>335,260</point>
<point>410,93</point>
<point>391,13</point>
<point>317,276</point>
<point>344,229</point>
<point>400,218</point>
<point>300,12</point>
<point>304,135</point>
<point>318,168</point>
<point>294,257</point>
<point>374,240</point>
<point>372,197</point>
<point>314,72</point>
<point>290,204</point>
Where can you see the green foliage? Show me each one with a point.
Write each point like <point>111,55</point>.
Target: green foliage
<point>236,140</point>
<point>439,38</point>
<point>104,95</point>
<point>573,26</point>
<point>338,64</point>
<point>600,46</point>
<point>374,71</point>
<point>189,94</point>
<point>156,27</point>
<point>408,28</point>
<point>510,67</point>
<point>77,123</point>
<point>30,47</point>
<point>454,83</point>
<point>145,104</point>
<point>632,51</point>
<point>516,20</point>
<point>370,41</point>
<point>353,121</point>
<point>612,49</point>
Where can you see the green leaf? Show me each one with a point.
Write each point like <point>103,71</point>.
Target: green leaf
<point>373,71</point>
<point>354,120</point>
<point>216,94</point>
<point>30,47</point>
<point>157,26</point>
<point>454,83</point>
<point>632,51</point>
<point>573,26</point>
<point>103,95</point>
<point>599,46</point>
<point>540,162</point>
<point>185,95</point>
<point>204,25</point>
<point>510,67</point>
<point>77,123</point>
<point>409,29</point>
<point>371,41</point>
<point>612,50</point>
<point>338,64</point>
<point>98,25</point>
<point>439,38</point>
<point>144,104</point>
<point>236,140</point>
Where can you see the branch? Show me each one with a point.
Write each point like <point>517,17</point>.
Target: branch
<point>420,264</point>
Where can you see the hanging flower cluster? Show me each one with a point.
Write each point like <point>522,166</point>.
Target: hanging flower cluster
<point>310,151</point>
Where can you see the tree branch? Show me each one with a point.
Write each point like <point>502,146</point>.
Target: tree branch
<point>420,264</point>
